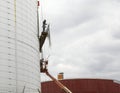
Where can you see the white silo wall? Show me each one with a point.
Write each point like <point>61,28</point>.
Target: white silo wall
<point>19,48</point>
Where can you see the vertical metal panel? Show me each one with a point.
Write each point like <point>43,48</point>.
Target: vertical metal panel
<point>119,88</point>
<point>92,85</point>
<point>19,54</point>
<point>116,87</point>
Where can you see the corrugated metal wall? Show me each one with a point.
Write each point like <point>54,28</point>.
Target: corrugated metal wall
<point>19,47</point>
<point>83,86</point>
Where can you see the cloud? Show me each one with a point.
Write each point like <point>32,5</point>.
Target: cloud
<point>85,38</point>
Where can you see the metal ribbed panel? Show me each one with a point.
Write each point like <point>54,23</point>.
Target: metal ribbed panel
<point>19,54</point>
<point>83,86</point>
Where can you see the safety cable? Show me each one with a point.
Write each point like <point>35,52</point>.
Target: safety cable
<point>41,10</point>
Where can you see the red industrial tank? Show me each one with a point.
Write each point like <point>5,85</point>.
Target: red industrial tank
<point>83,86</point>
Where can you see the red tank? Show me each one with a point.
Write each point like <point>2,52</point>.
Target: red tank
<point>83,86</point>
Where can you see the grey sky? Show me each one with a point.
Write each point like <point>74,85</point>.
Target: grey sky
<point>85,37</point>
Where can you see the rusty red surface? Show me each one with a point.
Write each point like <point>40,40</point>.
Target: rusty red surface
<point>83,86</point>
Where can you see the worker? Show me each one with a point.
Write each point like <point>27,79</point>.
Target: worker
<point>46,64</point>
<point>43,65</point>
<point>44,25</point>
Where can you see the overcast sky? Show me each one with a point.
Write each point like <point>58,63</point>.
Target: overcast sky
<point>85,38</point>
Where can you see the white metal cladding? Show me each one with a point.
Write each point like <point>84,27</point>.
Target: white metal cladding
<point>19,52</point>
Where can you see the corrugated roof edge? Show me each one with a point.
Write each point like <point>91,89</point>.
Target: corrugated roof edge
<point>86,79</point>
<point>116,81</point>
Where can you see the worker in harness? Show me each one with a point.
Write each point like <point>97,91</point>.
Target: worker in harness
<point>43,65</point>
<point>44,25</point>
